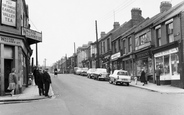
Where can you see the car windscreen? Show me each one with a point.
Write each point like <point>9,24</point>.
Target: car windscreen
<point>122,73</point>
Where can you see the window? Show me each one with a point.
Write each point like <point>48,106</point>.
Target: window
<point>119,46</point>
<point>158,36</point>
<point>103,47</point>
<point>166,64</point>
<point>143,39</point>
<point>130,44</point>
<point>124,47</point>
<point>108,44</point>
<point>114,47</point>
<point>170,35</point>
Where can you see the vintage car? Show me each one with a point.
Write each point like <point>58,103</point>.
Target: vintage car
<point>78,71</point>
<point>100,74</point>
<point>120,77</point>
<point>90,72</point>
<point>84,71</point>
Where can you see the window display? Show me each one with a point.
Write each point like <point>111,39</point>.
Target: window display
<point>166,65</point>
<point>175,64</point>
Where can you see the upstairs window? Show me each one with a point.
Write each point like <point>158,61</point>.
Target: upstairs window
<point>170,36</point>
<point>158,36</point>
<point>124,47</point>
<point>130,44</point>
<point>108,44</point>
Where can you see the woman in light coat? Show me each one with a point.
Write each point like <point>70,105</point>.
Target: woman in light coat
<point>12,81</point>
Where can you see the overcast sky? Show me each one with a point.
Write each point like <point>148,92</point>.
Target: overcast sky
<point>63,22</point>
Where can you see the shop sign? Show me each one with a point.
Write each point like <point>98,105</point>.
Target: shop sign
<point>117,55</point>
<point>32,34</point>
<point>143,45</point>
<point>145,54</point>
<point>11,41</point>
<point>174,50</point>
<point>8,12</point>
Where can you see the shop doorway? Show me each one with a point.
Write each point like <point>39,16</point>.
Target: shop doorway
<point>7,70</point>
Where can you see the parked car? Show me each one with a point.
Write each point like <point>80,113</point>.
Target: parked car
<point>78,71</point>
<point>100,74</point>
<point>90,72</point>
<point>120,76</point>
<point>84,71</point>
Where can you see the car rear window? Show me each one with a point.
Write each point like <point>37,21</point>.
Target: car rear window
<point>122,73</point>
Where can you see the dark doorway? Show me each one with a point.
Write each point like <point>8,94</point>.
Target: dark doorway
<point>7,70</point>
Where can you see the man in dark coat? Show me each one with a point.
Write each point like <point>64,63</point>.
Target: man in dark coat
<point>40,82</point>
<point>143,77</point>
<point>158,72</point>
<point>47,81</point>
<point>35,72</point>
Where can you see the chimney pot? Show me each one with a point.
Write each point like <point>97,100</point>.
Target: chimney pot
<point>165,6</point>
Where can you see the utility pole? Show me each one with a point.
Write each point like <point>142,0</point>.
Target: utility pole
<point>97,46</point>
<point>36,54</point>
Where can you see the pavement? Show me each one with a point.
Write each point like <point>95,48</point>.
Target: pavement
<point>167,89</point>
<point>31,92</point>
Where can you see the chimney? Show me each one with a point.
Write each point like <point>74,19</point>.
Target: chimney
<point>165,6</point>
<point>136,13</point>
<point>116,25</point>
<point>102,34</point>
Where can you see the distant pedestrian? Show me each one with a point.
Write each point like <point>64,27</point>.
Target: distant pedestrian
<point>40,82</point>
<point>47,81</point>
<point>143,77</point>
<point>55,72</point>
<point>12,81</point>
<point>35,72</point>
<point>158,73</point>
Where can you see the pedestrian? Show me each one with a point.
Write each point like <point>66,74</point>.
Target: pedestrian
<point>47,82</point>
<point>158,73</point>
<point>12,81</point>
<point>143,77</point>
<point>40,82</point>
<point>55,72</point>
<point>35,72</point>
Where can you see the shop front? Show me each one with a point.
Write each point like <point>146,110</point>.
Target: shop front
<point>115,61</point>
<point>168,61</point>
<point>13,54</point>
<point>143,60</point>
<point>127,64</point>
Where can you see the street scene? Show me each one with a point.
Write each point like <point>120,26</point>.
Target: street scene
<point>92,57</point>
<point>79,95</point>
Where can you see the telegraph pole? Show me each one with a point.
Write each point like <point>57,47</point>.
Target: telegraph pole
<point>97,46</point>
<point>36,54</point>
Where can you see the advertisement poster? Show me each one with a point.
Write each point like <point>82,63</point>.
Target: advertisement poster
<point>8,13</point>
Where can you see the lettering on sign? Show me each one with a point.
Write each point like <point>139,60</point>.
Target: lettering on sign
<point>11,41</point>
<point>8,12</point>
<point>117,55</point>
<point>167,52</point>
<point>32,34</point>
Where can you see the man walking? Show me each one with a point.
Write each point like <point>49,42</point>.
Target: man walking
<point>47,81</point>
<point>40,82</point>
<point>158,73</point>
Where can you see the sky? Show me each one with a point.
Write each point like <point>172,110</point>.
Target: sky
<point>65,22</point>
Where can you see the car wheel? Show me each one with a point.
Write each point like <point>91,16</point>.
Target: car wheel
<point>128,84</point>
<point>110,81</point>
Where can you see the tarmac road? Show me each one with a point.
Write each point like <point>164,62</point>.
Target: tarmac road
<point>78,95</point>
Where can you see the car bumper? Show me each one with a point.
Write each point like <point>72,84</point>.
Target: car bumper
<point>123,80</point>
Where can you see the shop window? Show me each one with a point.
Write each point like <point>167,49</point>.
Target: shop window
<point>175,64</point>
<point>159,62</point>
<point>166,65</point>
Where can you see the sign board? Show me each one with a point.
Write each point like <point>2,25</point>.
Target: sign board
<point>8,12</point>
<point>32,34</point>
<point>174,50</point>
<point>117,55</point>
